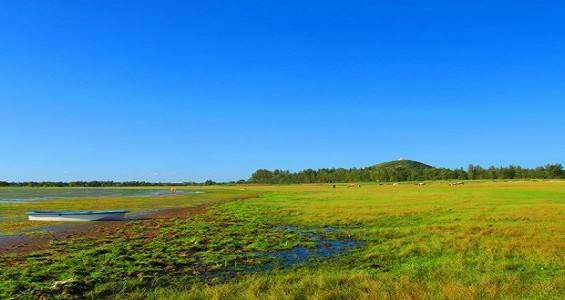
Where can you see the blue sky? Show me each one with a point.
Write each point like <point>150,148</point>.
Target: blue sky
<point>191,90</point>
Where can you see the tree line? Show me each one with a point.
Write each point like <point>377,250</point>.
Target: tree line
<point>108,183</point>
<point>375,174</point>
<point>329,175</point>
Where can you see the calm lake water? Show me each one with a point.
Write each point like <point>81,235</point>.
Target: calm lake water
<point>10,195</point>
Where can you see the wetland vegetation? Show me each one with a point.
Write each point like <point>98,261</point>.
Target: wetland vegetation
<point>479,240</point>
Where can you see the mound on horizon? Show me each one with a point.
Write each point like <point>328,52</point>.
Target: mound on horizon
<point>403,164</point>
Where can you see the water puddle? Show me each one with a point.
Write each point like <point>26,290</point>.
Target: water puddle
<point>325,247</point>
<point>16,195</point>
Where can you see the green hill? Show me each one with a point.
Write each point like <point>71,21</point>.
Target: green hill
<point>402,164</point>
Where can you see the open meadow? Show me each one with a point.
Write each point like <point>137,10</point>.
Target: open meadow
<point>480,240</point>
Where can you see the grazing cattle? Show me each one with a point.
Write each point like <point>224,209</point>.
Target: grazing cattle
<point>456,183</point>
<point>396,183</point>
<point>421,183</point>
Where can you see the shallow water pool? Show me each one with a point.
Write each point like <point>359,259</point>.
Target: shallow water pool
<point>11,195</point>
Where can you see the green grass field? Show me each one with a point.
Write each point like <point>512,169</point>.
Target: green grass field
<point>482,240</point>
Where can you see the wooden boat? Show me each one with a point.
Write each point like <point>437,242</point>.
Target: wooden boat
<point>99,215</point>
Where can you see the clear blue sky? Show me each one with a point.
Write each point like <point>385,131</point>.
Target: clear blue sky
<point>191,90</point>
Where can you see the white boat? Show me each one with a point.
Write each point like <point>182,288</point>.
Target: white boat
<point>100,215</point>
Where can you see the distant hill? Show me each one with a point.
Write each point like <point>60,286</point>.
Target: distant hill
<point>402,164</point>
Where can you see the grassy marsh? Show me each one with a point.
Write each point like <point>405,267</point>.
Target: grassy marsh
<point>481,240</point>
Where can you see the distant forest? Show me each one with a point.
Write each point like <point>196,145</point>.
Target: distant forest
<point>394,171</point>
<point>405,171</point>
<point>103,183</point>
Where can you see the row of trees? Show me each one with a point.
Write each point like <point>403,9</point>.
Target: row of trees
<point>370,174</point>
<point>102,183</point>
<point>373,174</point>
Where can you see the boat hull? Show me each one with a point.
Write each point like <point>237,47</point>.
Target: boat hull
<point>76,217</point>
